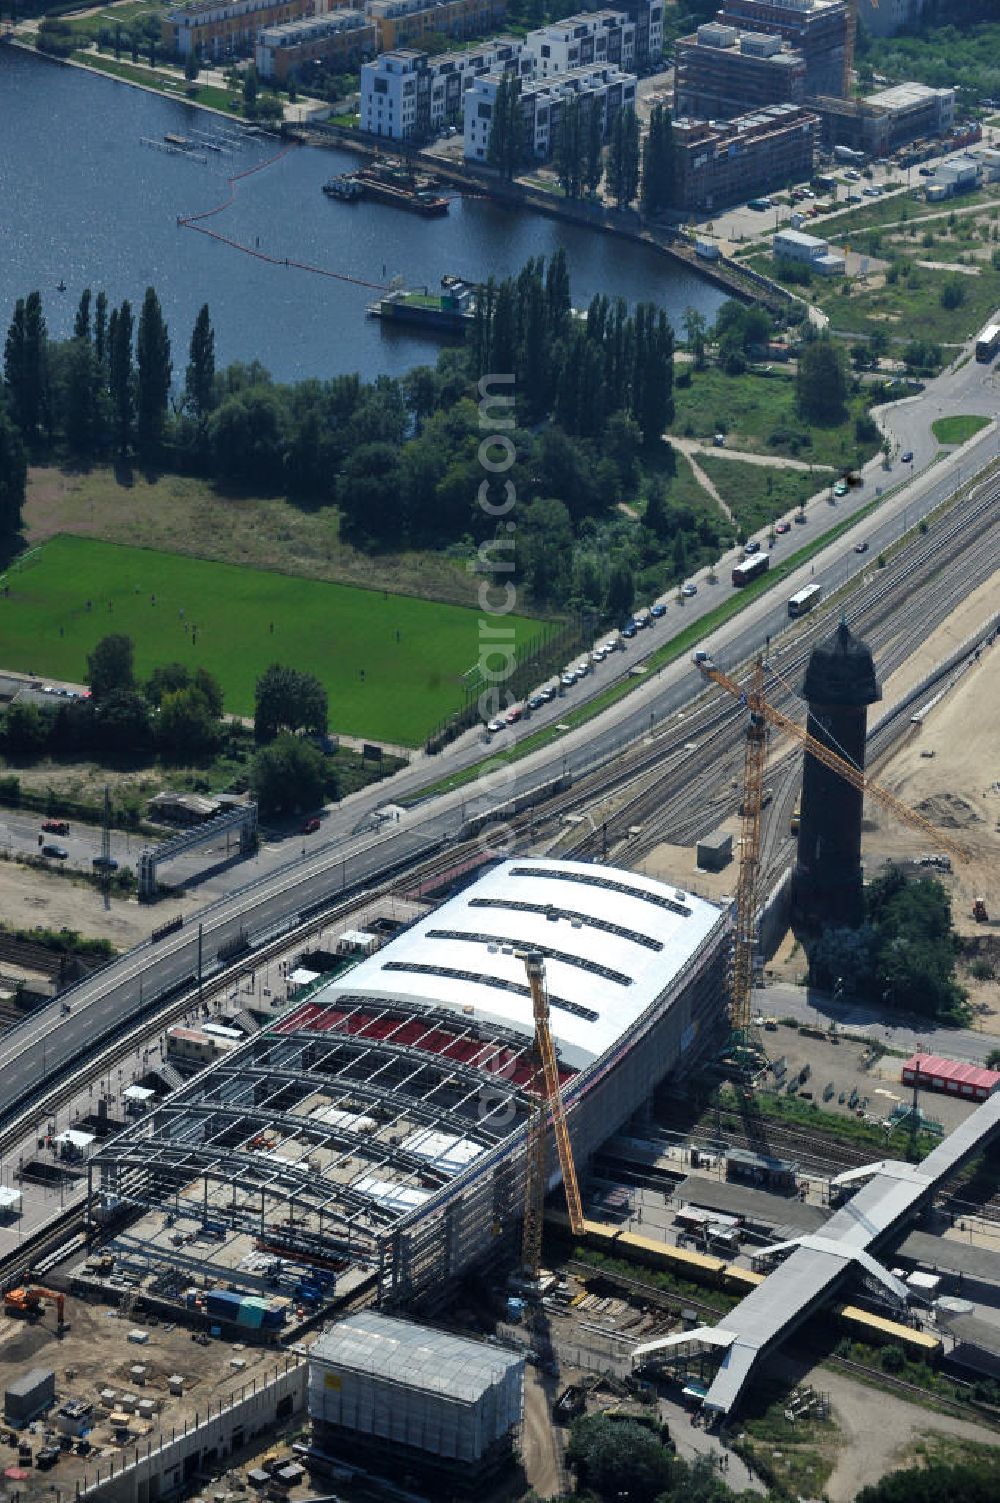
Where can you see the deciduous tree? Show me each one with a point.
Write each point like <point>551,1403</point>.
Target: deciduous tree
<point>287,700</point>
<point>110,666</point>
<point>288,776</point>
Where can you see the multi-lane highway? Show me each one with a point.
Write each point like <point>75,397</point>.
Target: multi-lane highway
<point>52,1038</point>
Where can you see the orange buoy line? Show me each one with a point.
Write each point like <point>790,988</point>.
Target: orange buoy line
<point>191,222</point>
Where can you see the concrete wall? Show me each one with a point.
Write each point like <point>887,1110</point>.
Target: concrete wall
<point>163,1467</point>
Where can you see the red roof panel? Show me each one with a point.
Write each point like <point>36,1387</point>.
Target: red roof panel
<point>932,1065</point>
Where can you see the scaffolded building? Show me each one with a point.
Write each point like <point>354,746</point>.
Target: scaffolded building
<point>378,1129</point>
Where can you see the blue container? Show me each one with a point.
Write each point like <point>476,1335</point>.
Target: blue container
<point>224,1304</point>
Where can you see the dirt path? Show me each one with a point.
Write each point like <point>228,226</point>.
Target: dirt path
<point>689,447</point>
<point>871,1446</point>
<point>705,483</point>
<point>540,1448</point>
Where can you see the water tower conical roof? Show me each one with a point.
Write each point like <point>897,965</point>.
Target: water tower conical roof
<point>841,671</point>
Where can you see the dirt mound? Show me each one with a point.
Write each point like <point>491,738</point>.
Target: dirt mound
<point>949,811</point>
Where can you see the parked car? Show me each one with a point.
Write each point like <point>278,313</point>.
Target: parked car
<point>801,518</point>
<point>106,863</point>
<point>907,456</point>
<point>658,610</point>
<point>782,527</point>
<point>494,727</point>
<point>688,590</point>
<point>310,825</point>
<point>861,547</point>
<point>568,679</point>
<point>629,630</point>
<point>719,440</point>
<point>55,826</point>
<point>751,547</point>
<point>535,702</point>
<point>58,852</point>
<point>513,715</point>
<point>840,489</point>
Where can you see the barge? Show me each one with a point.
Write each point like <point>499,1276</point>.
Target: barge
<point>446,312</point>
<point>389,182</point>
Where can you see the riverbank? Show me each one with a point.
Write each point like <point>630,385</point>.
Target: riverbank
<point>177,94</point>
<point>731,277</point>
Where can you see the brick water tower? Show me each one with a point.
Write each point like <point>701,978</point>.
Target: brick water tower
<point>839,686</point>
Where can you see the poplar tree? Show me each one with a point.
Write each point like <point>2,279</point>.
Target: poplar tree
<point>658,163</point>
<point>557,294</point>
<point>101,330</point>
<point>120,375</point>
<point>594,166</point>
<point>13,475</point>
<point>154,372</point>
<point>81,324</point>
<point>199,378</point>
<point>25,365</point>
<point>82,399</point>
<point>506,143</point>
<point>569,151</point>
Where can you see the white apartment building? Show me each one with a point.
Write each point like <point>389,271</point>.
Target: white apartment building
<point>593,37</point>
<point>389,93</point>
<point>542,103</point>
<point>407,95</point>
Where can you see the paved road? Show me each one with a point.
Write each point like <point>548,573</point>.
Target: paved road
<point>352,853</point>
<point>811,1006</point>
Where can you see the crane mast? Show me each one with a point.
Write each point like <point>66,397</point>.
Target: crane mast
<point>546,1100</point>
<point>745,942</point>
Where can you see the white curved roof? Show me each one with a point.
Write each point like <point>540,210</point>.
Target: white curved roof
<point>613,942</point>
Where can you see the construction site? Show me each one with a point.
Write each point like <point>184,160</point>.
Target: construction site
<point>531,1144</point>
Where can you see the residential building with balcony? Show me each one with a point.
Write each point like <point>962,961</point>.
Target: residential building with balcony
<point>212,31</point>
<point>543,102</point>
<point>340,40</point>
<point>407,23</point>
<point>600,36</point>
<point>407,95</point>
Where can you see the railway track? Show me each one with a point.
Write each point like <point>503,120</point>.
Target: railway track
<point>666,806</point>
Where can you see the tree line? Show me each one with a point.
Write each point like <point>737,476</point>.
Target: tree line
<point>398,458</point>
<point>177,715</point>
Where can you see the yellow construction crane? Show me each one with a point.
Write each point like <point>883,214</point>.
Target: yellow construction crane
<point>850,42</point>
<point>760,715</point>
<point>547,1099</point>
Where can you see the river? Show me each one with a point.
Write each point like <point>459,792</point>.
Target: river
<point>85,202</point>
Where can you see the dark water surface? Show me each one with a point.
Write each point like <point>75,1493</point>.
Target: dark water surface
<point>83,201</point>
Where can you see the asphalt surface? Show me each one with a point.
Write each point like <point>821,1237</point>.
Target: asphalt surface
<point>808,1005</point>
<point>348,852</point>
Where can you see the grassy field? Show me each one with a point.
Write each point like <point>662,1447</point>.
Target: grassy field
<point>757,496</point>
<point>181,514</point>
<point>759,414</point>
<point>392,665</point>
<point>912,308</point>
<point>957,430</point>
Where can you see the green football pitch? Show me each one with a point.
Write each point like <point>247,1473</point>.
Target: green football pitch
<point>393,666</point>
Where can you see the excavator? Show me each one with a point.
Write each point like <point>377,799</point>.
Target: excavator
<point>27,1301</point>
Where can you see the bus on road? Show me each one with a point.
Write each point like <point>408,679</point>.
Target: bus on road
<point>751,568</point>
<point>804,600</point>
<point>987,343</point>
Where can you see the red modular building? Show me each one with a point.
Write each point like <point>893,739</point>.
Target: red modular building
<point>950,1076</point>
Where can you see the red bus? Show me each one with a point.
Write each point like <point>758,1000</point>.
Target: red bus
<point>750,569</point>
